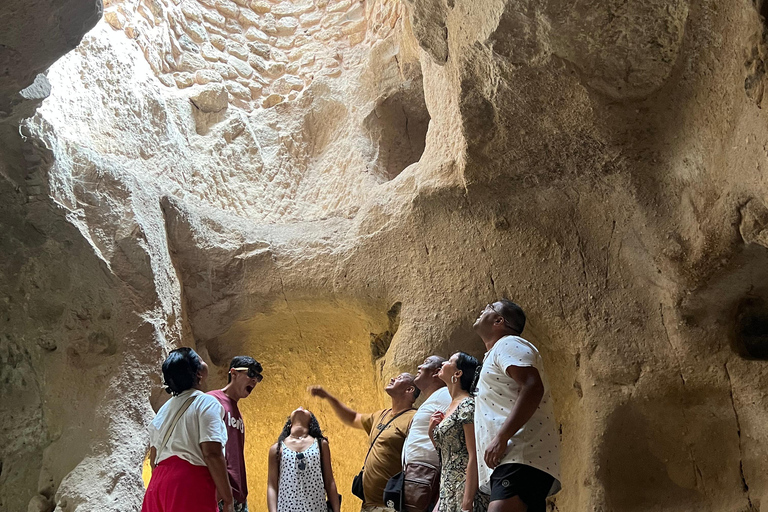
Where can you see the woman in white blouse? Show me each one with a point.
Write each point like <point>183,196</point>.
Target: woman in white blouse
<point>187,439</point>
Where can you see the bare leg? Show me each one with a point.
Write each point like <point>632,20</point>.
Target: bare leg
<point>513,504</point>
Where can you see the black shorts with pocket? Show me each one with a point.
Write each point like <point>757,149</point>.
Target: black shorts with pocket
<point>530,484</point>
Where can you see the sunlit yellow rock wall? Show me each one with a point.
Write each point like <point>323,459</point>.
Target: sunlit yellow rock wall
<point>300,345</point>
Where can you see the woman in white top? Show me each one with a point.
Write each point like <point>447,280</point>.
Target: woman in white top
<point>187,439</point>
<point>300,472</point>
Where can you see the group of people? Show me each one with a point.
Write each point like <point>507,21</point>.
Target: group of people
<point>483,439</point>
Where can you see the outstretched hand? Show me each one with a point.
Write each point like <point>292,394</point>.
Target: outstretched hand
<point>318,391</point>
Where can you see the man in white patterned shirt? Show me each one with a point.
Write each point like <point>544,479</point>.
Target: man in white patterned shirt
<point>517,442</point>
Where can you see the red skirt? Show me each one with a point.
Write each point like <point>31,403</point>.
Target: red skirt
<point>178,486</point>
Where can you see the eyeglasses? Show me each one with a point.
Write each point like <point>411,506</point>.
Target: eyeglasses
<point>490,306</point>
<point>300,459</point>
<point>253,374</point>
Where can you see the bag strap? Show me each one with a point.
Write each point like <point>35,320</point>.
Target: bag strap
<point>175,420</point>
<point>382,430</point>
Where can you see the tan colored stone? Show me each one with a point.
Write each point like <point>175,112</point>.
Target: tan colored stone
<point>292,8</point>
<point>340,6</point>
<point>219,42</point>
<point>242,67</point>
<point>286,26</point>
<point>196,32</point>
<point>206,76</point>
<point>272,100</point>
<point>192,12</point>
<point>254,34</point>
<point>248,18</point>
<point>210,98</point>
<point>225,70</point>
<point>239,91</point>
<point>269,25</point>
<point>131,32</point>
<point>261,6</point>
<point>183,80</point>
<point>255,90</point>
<point>115,19</point>
<point>190,62</point>
<point>309,19</point>
<point>287,83</point>
<point>352,28</point>
<point>357,38</point>
<point>214,18</point>
<point>210,53</point>
<point>234,28</point>
<point>284,42</point>
<point>260,49</point>
<point>331,72</point>
<point>228,8</point>
<point>238,50</point>
<point>279,56</point>
<point>257,63</point>
<point>332,20</point>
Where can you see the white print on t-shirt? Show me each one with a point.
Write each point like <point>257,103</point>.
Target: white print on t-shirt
<point>235,423</point>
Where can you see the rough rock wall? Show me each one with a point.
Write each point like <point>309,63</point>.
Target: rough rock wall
<point>600,163</point>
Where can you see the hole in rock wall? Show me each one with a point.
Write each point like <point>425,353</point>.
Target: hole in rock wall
<point>762,8</point>
<point>301,344</point>
<point>398,127</point>
<point>751,328</point>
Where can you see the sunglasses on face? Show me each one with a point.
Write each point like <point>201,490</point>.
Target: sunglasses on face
<point>252,374</point>
<point>300,459</point>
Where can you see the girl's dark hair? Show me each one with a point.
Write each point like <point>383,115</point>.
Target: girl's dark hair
<point>180,370</point>
<point>468,366</point>
<point>314,429</point>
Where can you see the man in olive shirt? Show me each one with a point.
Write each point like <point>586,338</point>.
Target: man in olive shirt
<point>390,425</point>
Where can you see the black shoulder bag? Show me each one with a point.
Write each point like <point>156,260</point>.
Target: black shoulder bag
<point>357,482</point>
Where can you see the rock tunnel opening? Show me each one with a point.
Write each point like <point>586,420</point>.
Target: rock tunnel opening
<point>300,344</point>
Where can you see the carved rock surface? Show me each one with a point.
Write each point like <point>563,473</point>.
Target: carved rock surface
<point>381,171</point>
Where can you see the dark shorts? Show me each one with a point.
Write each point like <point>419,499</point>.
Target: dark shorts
<point>530,484</point>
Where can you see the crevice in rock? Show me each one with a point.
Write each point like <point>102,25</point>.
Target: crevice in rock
<point>380,342</point>
<point>738,432</point>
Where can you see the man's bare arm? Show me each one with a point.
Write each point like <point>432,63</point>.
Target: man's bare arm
<point>528,400</point>
<point>346,415</point>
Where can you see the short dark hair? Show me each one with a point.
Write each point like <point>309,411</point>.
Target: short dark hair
<point>243,362</point>
<point>513,315</point>
<point>439,360</point>
<point>468,366</point>
<point>416,390</point>
<point>180,370</point>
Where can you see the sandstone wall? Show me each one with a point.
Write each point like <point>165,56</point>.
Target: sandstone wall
<point>599,162</point>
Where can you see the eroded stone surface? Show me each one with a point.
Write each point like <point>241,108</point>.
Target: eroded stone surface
<point>581,158</point>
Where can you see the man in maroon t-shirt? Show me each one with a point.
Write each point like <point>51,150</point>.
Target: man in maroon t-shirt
<point>244,374</point>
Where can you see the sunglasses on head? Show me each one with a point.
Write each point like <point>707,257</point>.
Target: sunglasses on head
<point>253,374</point>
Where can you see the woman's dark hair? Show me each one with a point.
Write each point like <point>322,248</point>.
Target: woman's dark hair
<point>314,429</point>
<point>468,366</point>
<point>180,370</point>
